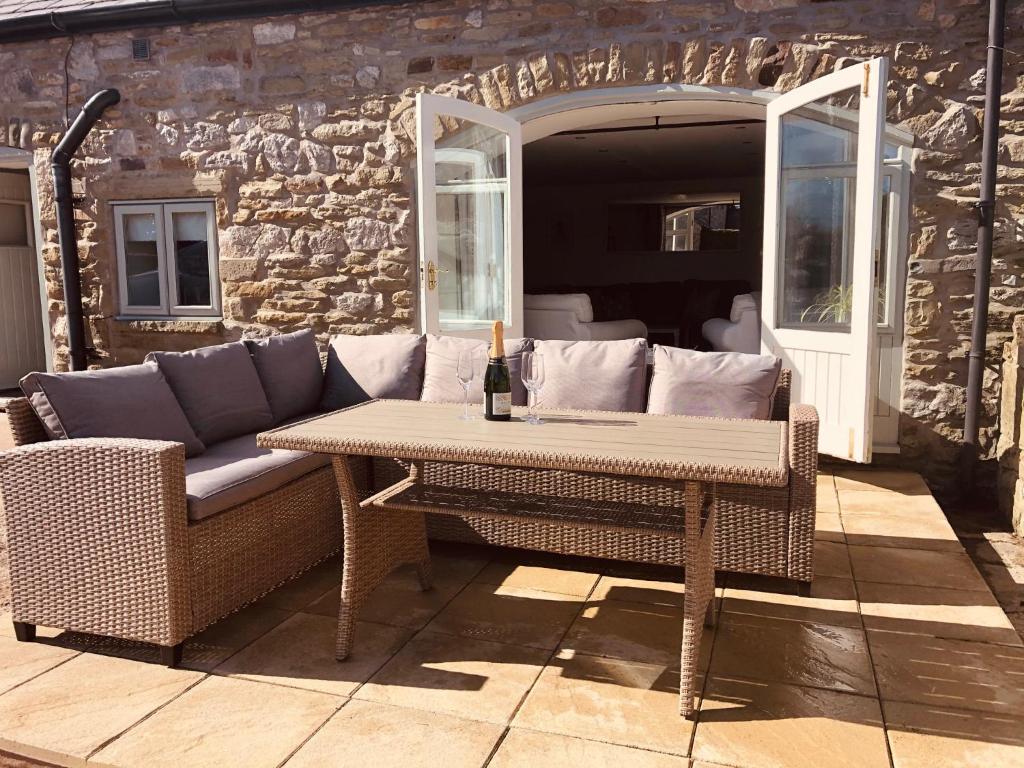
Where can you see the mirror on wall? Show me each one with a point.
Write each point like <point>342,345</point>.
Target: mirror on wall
<point>701,222</point>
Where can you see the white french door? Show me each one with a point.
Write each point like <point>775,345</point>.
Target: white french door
<point>821,233</point>
<point>470,214</point>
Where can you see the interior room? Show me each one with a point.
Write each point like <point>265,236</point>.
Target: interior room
<point>657,219</point>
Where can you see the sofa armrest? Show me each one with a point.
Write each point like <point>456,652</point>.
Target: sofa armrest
<point>742,305</point>
<point>98,537</point>
<point>803,489</point>
<point>726,336</point>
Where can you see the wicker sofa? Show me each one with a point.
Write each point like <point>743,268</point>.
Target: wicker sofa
<point>105,538</point>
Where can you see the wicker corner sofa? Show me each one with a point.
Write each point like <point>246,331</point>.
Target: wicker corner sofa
<point>102,540</point>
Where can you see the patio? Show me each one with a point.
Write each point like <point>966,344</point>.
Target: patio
<point>902,656</point>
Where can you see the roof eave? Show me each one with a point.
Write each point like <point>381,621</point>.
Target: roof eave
<point>150,14</point>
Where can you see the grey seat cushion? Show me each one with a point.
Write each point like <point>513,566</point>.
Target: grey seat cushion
<point>236,471</point>
<point>290,372</point>
<point>131,401</point>
<point>593,375</point>
<point>440,383</point>
<point>361,368</point>
<point>219,390</point>
<point>727,384</point>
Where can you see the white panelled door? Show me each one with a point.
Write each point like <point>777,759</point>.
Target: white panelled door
<point>470,198</point>
<point>21,334</point>
<point>821,229</point>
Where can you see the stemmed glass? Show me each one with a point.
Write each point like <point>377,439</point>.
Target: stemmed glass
<point>533,380</point>
<point>466,371</point>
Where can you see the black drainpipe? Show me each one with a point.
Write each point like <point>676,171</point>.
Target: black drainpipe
<point>986,216</point>
<point>61,161</point>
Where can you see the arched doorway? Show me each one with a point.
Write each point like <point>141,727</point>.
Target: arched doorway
<point>833,209</point>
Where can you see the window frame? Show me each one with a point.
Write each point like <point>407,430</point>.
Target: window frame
<point>163,212</point>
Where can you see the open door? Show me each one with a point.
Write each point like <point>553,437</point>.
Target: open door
<point>820,303</point>
<point>470,208</point>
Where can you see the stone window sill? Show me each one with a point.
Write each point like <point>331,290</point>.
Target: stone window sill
<point>171,324</point>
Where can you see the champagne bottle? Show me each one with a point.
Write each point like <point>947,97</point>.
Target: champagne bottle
<point>497,381</point>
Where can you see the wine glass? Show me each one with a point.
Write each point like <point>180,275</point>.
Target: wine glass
<point>533,380</point>
<point>466,371</point>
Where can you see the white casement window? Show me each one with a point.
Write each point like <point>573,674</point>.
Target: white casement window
<point>167,258</point>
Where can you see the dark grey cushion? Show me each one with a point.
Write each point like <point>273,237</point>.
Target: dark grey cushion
<point>361,368</point>
<point>593,375</point>
<point>236,471</point>
<point>290,372</point>
<point>132,401</point>
<point>727,384</point>
<point>440,383</point>
<point>218,389</point>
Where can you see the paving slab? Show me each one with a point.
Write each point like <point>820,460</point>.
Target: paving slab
<point>223,722</point>
<point>368,733</point>
<point>69,712</point>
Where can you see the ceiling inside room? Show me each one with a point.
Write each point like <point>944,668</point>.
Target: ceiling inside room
<point>694,147</point>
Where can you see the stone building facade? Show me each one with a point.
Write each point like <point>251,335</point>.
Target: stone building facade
<point>301,127</point>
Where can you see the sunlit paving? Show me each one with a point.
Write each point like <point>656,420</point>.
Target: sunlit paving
<point>514,656</point>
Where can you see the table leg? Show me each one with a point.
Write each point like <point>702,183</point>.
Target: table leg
<point>698,600</point>
<point>376,542</point>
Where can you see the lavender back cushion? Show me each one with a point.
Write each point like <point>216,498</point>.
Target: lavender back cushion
<point>440,383</point>
<point>726,384</point>
<point>593,375</point>
<point>218,389</point>
<point>361,368</point>
<point>132,401</point>
<point>289,369</point>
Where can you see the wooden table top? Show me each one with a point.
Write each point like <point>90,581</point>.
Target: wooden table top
<point>675,447</point>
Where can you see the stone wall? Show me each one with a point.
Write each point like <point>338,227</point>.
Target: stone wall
<point>301,127</point>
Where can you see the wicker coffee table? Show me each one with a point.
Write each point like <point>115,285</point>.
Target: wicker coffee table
<point>598,471</point>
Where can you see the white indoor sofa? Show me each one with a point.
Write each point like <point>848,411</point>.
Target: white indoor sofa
<point>570,317</point>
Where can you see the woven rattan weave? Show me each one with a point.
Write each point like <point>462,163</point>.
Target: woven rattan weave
<point>100,541</point>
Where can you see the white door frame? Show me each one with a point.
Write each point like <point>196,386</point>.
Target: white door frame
<point>22,160</point>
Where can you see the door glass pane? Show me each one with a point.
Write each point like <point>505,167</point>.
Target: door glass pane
<point>471,171</point>
<point>141,259</point>
<point>816,203</point>
<point>191,258</point>
<point>882,253</point>
<point>13,225</point>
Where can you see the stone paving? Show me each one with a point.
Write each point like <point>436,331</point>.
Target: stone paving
<point>902,656</point>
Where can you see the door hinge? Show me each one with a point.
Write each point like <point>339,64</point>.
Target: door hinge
<point>867,77</point>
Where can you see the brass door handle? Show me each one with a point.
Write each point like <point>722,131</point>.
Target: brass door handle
<point>432,270</point>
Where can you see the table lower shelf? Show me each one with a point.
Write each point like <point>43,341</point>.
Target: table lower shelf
<point>412,495</point>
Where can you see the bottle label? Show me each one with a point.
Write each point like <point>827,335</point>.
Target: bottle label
<point>501,403</point>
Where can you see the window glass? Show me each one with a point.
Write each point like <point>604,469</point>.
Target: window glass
<point>142,259</point>
<point>886,224</point>
<point>472,189</point>
<point>192,258</point>
<point>13,225</point>
<point>817,196</point>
